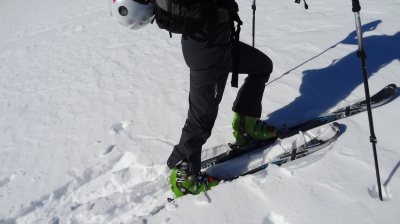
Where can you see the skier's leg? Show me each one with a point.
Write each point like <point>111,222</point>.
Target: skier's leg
<point>247,106</point>
<point>204,97</point>
<point>258,66</point>
<point>209,63</point>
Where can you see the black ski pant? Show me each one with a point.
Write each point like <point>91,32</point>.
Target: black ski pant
<point>208,55</point>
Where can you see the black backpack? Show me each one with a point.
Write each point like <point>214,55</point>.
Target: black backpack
<point>190,16</point>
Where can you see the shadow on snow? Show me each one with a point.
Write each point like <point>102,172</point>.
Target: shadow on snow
<point>322,89</point>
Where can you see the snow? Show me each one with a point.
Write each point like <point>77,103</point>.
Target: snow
<point>90,111</point>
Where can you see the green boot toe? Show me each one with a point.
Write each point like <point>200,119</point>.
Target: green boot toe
<point>181,184</point>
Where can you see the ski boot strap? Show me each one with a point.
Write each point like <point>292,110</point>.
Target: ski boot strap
<point>242,128</point>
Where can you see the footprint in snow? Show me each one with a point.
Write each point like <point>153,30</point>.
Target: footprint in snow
<point>6,180</point>
<point>109,149</point>
<point>274,218</point>
<point>118,127</point>
<point>374,192</point>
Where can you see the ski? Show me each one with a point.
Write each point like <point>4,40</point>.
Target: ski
<point>314,144</point>
<point>232,150</point>
<point>317,143</point>
<point>377,100</point>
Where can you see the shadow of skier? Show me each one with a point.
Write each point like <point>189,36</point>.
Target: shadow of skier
<point>322,89</point>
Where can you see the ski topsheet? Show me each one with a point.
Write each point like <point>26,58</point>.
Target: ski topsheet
<point>225,152</point>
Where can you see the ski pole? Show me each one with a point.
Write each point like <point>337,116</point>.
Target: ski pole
<point>254,19</point>
<point>362,55</point>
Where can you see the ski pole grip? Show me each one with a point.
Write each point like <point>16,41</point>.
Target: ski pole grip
<point>356,6</point>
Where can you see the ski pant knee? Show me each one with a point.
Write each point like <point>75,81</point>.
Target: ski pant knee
<point>206,91</point>
<point>254,62</point>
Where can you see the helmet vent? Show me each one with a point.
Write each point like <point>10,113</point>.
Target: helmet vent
<point>123,11</point>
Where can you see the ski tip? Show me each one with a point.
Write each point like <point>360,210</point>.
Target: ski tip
<point>392,86</point>
<point>335,126</point>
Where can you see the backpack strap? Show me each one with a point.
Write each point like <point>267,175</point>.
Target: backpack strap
<point>234,9</point>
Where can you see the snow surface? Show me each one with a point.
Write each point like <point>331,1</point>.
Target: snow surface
<point>90,111</point>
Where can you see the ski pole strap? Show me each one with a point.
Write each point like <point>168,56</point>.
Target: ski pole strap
<point>254,7</point>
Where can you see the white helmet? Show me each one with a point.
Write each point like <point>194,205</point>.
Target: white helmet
<point>133,14</point>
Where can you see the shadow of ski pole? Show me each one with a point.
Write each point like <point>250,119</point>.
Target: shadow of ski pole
<point>391,174</point>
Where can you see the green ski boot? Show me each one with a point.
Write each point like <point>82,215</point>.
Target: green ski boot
<point>182,184</point>
<point>246,129</point>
